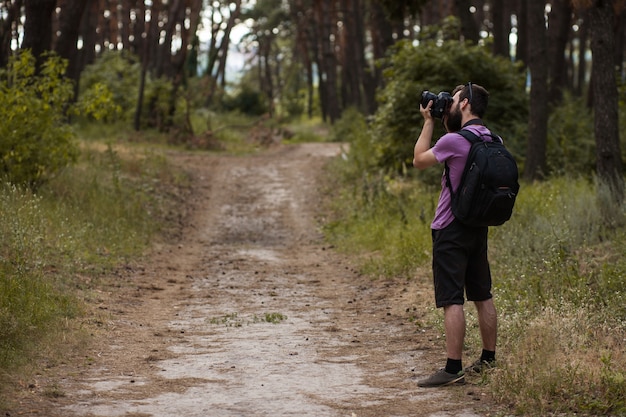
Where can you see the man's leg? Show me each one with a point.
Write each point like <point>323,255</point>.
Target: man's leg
<point>454,323</point>
<point>488,323</point>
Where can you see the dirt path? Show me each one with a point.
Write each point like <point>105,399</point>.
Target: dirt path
<point>250,315</point>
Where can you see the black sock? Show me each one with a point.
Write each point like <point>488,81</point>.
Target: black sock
<point>488,356</point>
<point>454,366</point>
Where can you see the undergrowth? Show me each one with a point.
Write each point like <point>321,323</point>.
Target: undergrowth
<point>91,218</point>
<point>559,278</point>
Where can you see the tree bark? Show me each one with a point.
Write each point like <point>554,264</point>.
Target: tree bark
<point>469,27</point>
<point>304,51</point>
<point>605,98</point>
<point>38,27</point>
<point>501,28</point>
<point>521,50</point>
<point>535,167</point>
<point>328,62</point>
<point>559,28</point>
<point>66,42</point>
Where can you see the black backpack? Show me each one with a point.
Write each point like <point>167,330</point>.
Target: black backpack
<point>489,185</point>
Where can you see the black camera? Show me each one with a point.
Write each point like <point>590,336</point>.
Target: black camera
<point>441,103</point>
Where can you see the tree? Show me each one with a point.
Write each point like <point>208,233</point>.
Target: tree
<point>36,142</point>
<point>469,26</point>
<point>325,16</point>
<point>601,15</point>
<point>223,19</point>
<point>70,16</point>
<point>535,167</point>
<point>38,27</point>
<point>559,29</point>
<point>9,22</point>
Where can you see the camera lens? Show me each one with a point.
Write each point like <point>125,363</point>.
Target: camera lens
<point>428,96</point>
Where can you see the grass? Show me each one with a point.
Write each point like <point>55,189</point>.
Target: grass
<point>559,281</point>
<point>92,218</point>
<point>234,320</point>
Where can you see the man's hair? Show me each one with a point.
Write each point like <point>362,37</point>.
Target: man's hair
<point>478,99</point>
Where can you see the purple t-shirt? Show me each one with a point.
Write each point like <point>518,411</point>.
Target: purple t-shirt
<point>452,148</point>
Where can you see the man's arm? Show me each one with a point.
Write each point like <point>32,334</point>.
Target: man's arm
<point>423,156</point>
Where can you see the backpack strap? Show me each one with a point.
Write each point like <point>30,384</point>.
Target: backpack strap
<point>472,138</point>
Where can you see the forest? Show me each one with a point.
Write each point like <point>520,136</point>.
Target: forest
<point>166,68</point>
<point>319,58</point>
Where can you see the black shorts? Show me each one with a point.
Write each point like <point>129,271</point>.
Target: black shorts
<point>460,264</point>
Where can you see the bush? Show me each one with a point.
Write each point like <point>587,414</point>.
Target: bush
<point>119,73</point>
<point>94,216</point>
<point>247,100</point>
<point>571,144</point>
<point>35,141</point>
<point>440,66</point>
<point>559,276</point>
<point>29,299</point>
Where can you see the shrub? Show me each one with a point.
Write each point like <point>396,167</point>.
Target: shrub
<point>35,141</point>
<point>247,100</point>
<point>571,144</point>
<point>119,73</point>
<point>440,66</point>
<point>559,278</point>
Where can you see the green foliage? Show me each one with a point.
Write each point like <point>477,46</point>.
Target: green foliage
<point>35,141</point>
<point>274,318</point>
<point>361,156</point>
<point>114,79</point>
<point>98,103</point>
<point>559,278</point>
<point>571,142</point>
<point>440,66</point>
<point>118,74</point>
<point>388,220</point>
<point>306,130</point>
<point>29,299</point>
<point>54,244</point>
<point>247,101</point>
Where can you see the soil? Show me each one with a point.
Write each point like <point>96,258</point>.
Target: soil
<point>250,313</point>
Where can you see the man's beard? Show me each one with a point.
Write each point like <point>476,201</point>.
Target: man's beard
<point>453,121</point>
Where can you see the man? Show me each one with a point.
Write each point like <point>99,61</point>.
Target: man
<point>460,262</point>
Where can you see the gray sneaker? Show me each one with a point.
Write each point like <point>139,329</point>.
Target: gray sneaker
<point>480,366</point>
<point>441,378</point>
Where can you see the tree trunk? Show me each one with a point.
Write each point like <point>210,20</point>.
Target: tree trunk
<point>583,37</point>
<point>352,64</point>
<point>328,67</point>
<point>301,16</point>
<point>501,28</point>
<point>66,43</point>
<point>559,28</point>
<point>38,27</point>
<point>605,98</point>
<point>225,45</point>
<point>8,23</point>
<point>382,38</point>
<point>535,167</point>
<point>521,50</point>
<point>469,27</point>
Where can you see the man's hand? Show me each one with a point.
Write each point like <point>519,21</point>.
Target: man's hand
<point>423,156</point>
<point>426,111</point>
